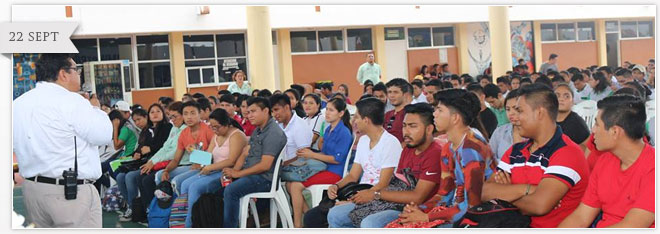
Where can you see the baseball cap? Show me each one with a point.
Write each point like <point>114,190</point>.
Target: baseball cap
<point>123,106</point>
<point>640,68</point>
<point>165,194</point>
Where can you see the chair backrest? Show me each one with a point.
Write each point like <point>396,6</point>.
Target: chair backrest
<point>276,174</point>
<point>650,109</point>
<point>587,109</point>
<point>348,156</point>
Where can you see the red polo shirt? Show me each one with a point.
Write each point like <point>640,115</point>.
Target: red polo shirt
<point>616,191</point>
<point>559,159</point>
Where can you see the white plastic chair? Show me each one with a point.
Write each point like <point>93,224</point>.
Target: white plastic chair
<point>588,110</point>
<point>650,109</point>
<point>278,202</point>
<point>317,190</point>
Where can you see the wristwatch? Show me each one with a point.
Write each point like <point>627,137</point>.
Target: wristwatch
<point>377,195</point>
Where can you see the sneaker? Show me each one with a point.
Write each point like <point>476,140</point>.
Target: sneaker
<point>126,217</point>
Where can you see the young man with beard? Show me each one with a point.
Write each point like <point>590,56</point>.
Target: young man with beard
<point>546,175</point>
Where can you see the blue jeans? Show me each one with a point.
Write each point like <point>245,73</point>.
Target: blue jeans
<point>197,185</point>
<point>173,174</point>
<point>235,191</point>
<point>128,185</point>
<point>302,173</point>
<point>338,217</point>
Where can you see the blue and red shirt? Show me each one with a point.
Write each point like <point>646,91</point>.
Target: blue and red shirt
<point>560,159</point>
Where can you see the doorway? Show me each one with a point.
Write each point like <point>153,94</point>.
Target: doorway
<point>612,41</point>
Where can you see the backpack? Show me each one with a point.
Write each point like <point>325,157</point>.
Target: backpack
<point>495,213</point>
<point>139,211</point>
<point>158,217</point>
<point>112,199</point>
<point>207,212</point>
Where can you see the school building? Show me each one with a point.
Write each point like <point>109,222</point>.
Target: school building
<point>152,51</point>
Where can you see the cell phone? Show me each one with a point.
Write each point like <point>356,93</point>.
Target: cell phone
<point>70,184</point>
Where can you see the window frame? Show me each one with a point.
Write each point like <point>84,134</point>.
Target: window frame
<point>137,62</point>
<point>201,76</point>
<point>344,31</point>
<point>577,31</point>
<point>430,26</point>
<point>216,58</point>
<point>637,26</point>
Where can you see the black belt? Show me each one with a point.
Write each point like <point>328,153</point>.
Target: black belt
<point>49,180</point>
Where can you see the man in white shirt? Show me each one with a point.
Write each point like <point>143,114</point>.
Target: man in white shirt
<point>44,139</point>
<point>298,133</point>
<point>580,88</point>
<point>418,92</point>
<point>376,158</point>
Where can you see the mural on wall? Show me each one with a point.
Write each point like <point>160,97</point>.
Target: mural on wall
<point>522,44</point>
<point>478,47</point>
<point>24,76</point>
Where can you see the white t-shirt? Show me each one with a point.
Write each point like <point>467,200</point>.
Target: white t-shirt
<point>420,99</point>
<point>298,136</point>
<point>317,124</point>
<point>385,154</point>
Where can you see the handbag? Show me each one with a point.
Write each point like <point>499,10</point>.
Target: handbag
<point>495,213</point>
<point>132,165</point>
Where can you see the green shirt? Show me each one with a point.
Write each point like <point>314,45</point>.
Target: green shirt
<point>130,140</point>
<point>246,89</point>
<point>369,72</point>
<point>169,147</point>
<point>501,116</point>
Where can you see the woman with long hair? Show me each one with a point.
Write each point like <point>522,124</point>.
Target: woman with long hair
<point>225,148</point>
<point>343,89</point>
<point>336,142</point>
<point>600,86</point>
<point>315,118</point>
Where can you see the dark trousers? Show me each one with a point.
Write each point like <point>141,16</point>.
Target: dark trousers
<point>147,185</point>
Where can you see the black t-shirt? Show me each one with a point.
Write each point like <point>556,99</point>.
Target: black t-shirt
<point>575,128</point>
<point>489,120</point>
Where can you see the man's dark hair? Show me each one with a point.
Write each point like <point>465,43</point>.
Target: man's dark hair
<point>48,66</point>
<point>447,85</point>
<point>552,56</point>
<point>515,78</point>
<point>625,111</point>
<point>539,95</point>
<point>176,106</point>
<point>553,74</point>
<point>513,94</point>
<point>373,109</point>
<point>457,78</point>
<point>521,60</point>
<point>140,112</point>
<point>299,88</point>
<point>228,98</point>
<point>280,100</point>
<point>380,87</point>
<point>577,76</point>
<point>606,69</point>
<point>525,80</point>
<point>165,100</point>
<point>261,102</point>
<point>644,93</point>
<point>623,72</point>
<point>204,104</point>
<point>365,96</point>
<point>475,88</point>
<point>435,82</point>
<point>503,79</point>
<point>264,93</point>
<point>424,110</point>
<point>223,92</point>
<point>483,77</point>
<point>327,85</point>
<point>136,107</point>
<point>418,83</point>
<point>544,80</point>
<point>187,95</point>
<point>198,95</point>
<point>368,82</point>
<point>191,104</point>
<point>240,99</point>
<point>460,101</point>
<point>444,65</point>
<point>467,80</point>
<point>558,79</point>
<point>491,90</point>
<point>627,90</point>
<point>402,84</point>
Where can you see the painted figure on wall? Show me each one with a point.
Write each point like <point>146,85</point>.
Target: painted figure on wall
<point>522,44</point>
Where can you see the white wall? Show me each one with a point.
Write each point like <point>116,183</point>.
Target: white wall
<point>123,19</point>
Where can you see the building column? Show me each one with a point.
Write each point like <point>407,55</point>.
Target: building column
<point>178,64</point>
<point>500,39</point>
<point>378,34</point>
<point>601,40</point>
<point>538,46</point>
<point>463,55</point>
<point>284,59</point>
<point>260,48</point>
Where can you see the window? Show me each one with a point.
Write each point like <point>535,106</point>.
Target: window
<point>628,29</point>
<point>419,37</point>
<point>394,34</point>
<point>331,41</point>
<point>154,61</point>
<point>586,31</point>
<point>359,39</point>
<point>443,36</point>
<point>566,32</point>
<point>548,32</point>
<point>612,26</point>
<point>645,28</point>
<point>198,46</point>
<point>227,67</point>
<point>303,41</point>
<point>116,49</point>
<point>230,45</point>
<point>87,50</point>
<point>201,75</point>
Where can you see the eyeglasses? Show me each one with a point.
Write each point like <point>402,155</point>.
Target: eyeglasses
<point>78,69</point>
<point>389,124</point>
